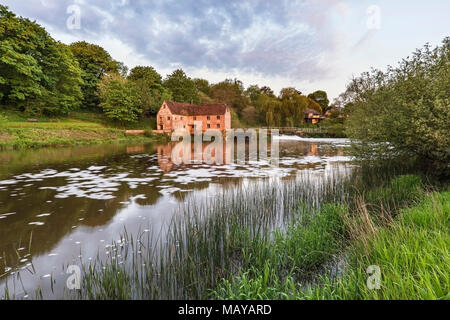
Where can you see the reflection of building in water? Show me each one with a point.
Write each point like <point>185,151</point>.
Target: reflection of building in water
<point>135,149</point>
<point>207,155</point>
<point>313,150</point>
<point>164,157</point>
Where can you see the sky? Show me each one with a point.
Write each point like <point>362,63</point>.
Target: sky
<point>307,44</point>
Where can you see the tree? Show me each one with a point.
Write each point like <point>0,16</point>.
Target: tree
<point>119,98</point>
<point>67,82</point>
<point>249,115</point>
<point>202,85</point>
<point>314,105</point>
<point>267,91</point>
<point>253,92</point>
<point>268,109</point>
<point>122,69</point>
<point>230,92</point>
<point>183,88</point>
<point>404,111</point>
<point>94,62</point>
<point>293,106</point>
<point>37,74</point>
<point>151,90</point>
<point>321,98</point>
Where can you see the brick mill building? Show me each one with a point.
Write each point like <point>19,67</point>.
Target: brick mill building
<point>175,115</point>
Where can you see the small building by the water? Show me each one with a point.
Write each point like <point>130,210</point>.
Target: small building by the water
<point>313,116</point>
<point>175,115</point>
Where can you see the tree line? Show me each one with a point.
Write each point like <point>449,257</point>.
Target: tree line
<point>42,76</point>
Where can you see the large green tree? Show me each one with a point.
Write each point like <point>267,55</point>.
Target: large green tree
<point>119,98</point>
<point>293,107</point>
<point>151,90</point>
<point>37,74</point>
<point>182,87</point>
<point>230,92</point>
<point>321,98</point>
<point>405,110</point>
<point>94,62</point>
<point>203,86</point>
<point>268,109</point>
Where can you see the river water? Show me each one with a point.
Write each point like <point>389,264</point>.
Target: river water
<point>58,206</point>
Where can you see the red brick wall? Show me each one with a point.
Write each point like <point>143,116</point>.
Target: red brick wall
<point>164,119</point>
<point>167,121</point>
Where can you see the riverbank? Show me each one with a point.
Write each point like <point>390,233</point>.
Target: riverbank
<point>408,250</point>
<point>19,133</point>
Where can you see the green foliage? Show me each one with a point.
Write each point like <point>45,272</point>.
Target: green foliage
<point>151,90</point>
<point>67,82</point>
<point>120,99</point>
<point>249,115</point>
<point>407,107</point>
<point>321,98</point>
<point>269,110</point>
<point>412,254</point>
<point>37,74</point>
<point>203,86</point>
<point>94,62</point>
<point>183,89</point>
<point>3,118</point>
<point>258,284</point>
<point>293,107</point>
<point>411,251</point>
<point>253,92</point>
<point>230,92</point>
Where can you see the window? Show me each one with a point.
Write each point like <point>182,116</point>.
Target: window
<point>184,127</point>
<point>168,118</point>
<point>174,118</point>
<point>195,118</point>
<point>181,118</point>
<point>208,118</point>
<point>218,117</point>
<point>209,126</point>
<point>218,126</point>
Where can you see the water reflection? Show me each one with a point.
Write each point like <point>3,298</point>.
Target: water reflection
<point>59,204</point>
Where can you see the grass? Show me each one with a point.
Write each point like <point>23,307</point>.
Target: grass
<point>81,129</point>
<point>411,251</point>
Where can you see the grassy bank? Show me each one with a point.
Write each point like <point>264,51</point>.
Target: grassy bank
<point>410,248</point>
<point>412,253</point>
<point>16,132</point>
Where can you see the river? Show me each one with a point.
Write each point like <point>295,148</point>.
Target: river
<point>61,205</point>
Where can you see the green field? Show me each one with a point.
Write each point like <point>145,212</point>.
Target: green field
<point>77,129</point>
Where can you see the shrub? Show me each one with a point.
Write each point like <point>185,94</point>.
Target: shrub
<point>404,111</point>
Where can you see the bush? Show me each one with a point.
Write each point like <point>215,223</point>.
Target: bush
<point>405,110</point>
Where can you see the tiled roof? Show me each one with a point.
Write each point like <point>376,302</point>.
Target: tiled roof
<point>311,111</point>
<point>186,109</point>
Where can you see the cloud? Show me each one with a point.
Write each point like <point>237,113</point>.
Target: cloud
<point>284,38</point>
